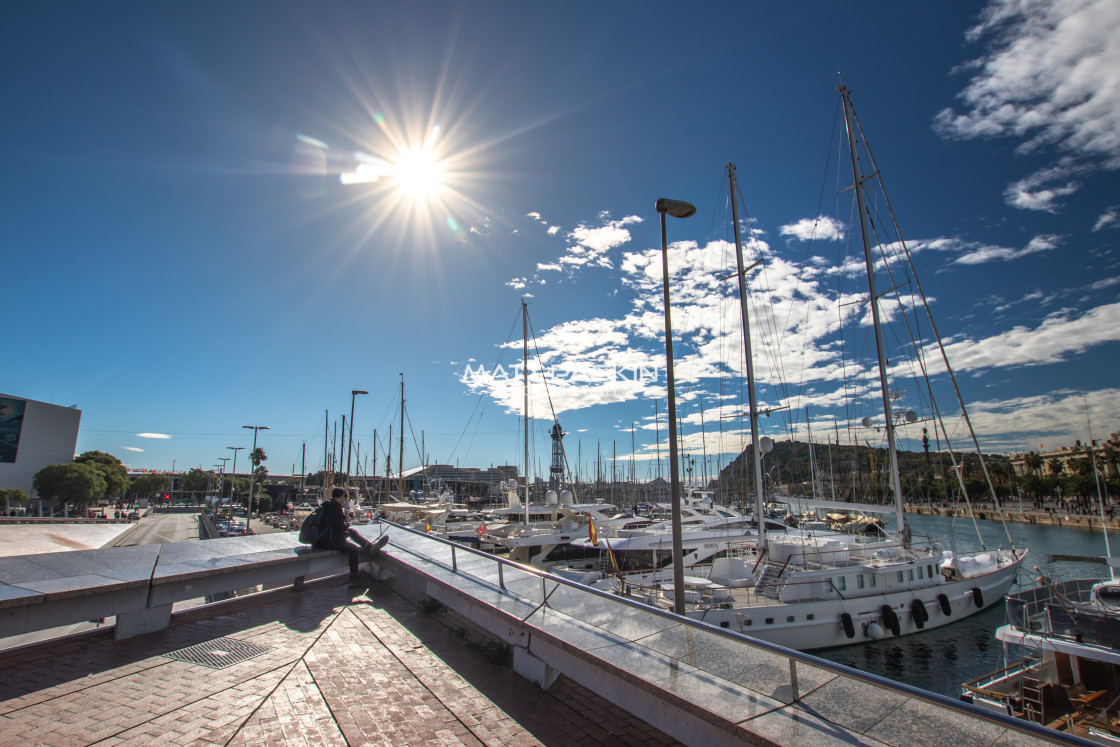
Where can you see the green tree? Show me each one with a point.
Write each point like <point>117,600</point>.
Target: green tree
<point>14,495</point>
<point>77,484</point>
<point>198,480</point>
<point>112,471</point>
<point>1033,462</point>
<point>146,486</point>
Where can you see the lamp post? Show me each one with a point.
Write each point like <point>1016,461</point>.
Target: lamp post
<point>350,441</point>
<point>233,487</point>
<point>253,474</point>
<point>677,209</point>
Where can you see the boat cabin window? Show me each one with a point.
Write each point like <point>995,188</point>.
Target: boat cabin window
<point>843,583</point>
<point>769,621</point>
<point>790,618</point>
<point>859,581</point>
<point>900,577</point>
<point>910,572</point>
<point>929,571</point>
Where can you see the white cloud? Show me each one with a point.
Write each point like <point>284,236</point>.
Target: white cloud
<point>534,215</point>
<point>1058,336</point>
<point>553,230</point>
<point>1054,418</point>
<point>152,435</point>
<point>517,283</point>
<point>1105,283</point>
<point>1051,78</point>
<point>1108,219</point>
<point>978,254</point>
<point>542,266</point>
<point>1038,191</point>
<point>131,448</point>
<point>822,228</point>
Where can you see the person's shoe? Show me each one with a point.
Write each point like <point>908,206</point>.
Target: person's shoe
<point>370,551</point>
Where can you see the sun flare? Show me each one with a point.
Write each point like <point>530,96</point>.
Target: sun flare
<point>418,174</point>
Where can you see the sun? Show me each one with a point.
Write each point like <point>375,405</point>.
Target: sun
<point>418,174</point>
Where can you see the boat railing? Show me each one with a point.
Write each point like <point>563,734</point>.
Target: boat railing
<point>1060,610</point>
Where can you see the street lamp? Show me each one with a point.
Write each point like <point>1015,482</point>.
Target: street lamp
<point>350,442</point>
<point>677,209</point>
<point>233,485</point>
<point>253,474</point>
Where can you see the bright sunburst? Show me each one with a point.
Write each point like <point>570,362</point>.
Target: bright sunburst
<point>418,174</point>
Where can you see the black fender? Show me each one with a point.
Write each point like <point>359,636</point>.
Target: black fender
<point>946,608</point>
<point>918,610</point>
<point>849,627</point>
<point>977,596</point>
<point>890,619</point>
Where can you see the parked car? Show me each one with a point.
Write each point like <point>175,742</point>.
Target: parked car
<point>134,516</point>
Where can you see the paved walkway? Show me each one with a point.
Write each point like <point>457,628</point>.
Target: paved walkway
<point>337,669</point>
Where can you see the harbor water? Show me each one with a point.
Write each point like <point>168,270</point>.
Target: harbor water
<point>940,660</point>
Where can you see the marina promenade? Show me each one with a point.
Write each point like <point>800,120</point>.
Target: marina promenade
<point>338,666</point>
<point>422,655</point>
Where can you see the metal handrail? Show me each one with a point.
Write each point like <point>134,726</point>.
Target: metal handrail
<point>794,657</point>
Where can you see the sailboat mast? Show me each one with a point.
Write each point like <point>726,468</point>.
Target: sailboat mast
<point>525,387</point>
<point>896,484</point>
<point>759,498</point>
<point>400,456</point>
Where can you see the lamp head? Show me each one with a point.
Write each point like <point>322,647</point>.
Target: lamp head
<point>675,208</point>
<point>357,391</point>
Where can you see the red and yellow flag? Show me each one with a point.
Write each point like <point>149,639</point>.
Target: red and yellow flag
<point>427,526</point>
<point>591,533</point>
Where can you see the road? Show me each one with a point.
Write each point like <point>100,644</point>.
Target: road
<point>156,529</point>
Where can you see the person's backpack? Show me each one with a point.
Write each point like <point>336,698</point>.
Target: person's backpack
<point>310,529</point>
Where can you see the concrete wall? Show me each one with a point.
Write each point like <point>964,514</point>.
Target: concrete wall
<point>48,436</point>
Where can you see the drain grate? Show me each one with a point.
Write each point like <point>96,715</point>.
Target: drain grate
<point>218,653</point>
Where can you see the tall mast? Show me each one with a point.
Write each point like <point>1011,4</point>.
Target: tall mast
<point>759,498</point>
<point>896,483</point>
<point>400,456</point>
<point>525,387</point>
<point>326,465</point>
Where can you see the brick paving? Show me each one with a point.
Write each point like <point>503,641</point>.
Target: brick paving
<point>371,669</point>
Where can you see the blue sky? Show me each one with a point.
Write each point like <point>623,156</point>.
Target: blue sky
<point>193,240</point>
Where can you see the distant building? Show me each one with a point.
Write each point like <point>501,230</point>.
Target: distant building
<point>1107,454</point>
<point>34,435</point>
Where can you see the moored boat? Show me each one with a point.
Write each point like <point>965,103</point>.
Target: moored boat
<point>1068,678</point>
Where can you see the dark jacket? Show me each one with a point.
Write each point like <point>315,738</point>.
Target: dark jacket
<point>332,529</point>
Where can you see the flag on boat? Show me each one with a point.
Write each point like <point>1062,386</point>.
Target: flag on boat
<point>481,529</point>
<point>610,554</point>
<point>427,526</point>
<point>591,533</point>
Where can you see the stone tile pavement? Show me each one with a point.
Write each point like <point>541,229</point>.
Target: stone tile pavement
<point>343,667</point>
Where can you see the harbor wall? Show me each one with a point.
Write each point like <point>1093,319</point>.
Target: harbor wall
<point>1046,518</point>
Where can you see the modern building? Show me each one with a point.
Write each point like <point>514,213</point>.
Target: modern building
<point>34,435</point>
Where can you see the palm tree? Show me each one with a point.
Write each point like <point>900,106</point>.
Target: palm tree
<point>1033,462</point>
<point>258,456</point>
